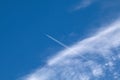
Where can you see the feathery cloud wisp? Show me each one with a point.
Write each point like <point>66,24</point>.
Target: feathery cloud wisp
<point>83,4</point>
<point>100,59</point>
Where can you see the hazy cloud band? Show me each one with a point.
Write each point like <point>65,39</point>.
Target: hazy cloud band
<point>99,59</point>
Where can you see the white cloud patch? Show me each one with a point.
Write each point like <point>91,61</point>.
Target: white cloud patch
<point>89,59</point>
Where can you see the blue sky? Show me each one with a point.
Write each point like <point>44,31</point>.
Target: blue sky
<point>23,23</point>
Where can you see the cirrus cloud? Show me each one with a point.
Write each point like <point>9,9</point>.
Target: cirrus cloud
<point>89,59</point>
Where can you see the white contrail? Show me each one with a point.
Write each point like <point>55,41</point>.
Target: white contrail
<point>57,41</point>
<point>68,48</point>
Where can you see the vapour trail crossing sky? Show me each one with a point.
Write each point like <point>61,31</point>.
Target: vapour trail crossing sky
<point>65,46</point>
<point>57,41</point>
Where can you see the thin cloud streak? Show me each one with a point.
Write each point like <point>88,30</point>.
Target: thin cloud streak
<point>83,4</point>
<point>68,65</point>
<point>65,46</point>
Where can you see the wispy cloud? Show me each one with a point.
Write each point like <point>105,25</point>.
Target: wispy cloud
<point>83,4</point>
<point>68,65</point>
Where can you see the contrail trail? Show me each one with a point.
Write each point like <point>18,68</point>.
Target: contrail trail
<point>64,45</point>
<point>57,41</point>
